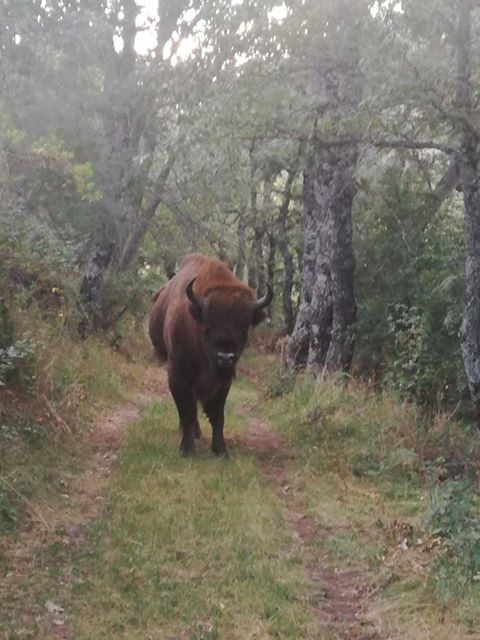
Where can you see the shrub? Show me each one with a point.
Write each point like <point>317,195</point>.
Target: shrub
<point>454,521</point>
<point>13,356</point>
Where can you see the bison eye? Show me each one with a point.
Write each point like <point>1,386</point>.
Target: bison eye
<point>208,333</point>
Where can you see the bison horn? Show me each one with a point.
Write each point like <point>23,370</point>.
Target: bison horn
<point>198,301</point>
<point>265,301</point>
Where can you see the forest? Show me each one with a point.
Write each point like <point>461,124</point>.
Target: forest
<point>328,148</point>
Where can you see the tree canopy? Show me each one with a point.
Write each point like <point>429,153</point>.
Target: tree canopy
<point>324,146</point>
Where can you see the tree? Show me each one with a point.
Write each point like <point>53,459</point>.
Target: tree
<point>469,154</point>
<point>112,114</point>
<point>323,333</point>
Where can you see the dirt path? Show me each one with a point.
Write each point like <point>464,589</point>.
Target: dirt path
<point>64,524</point>
<point>104,439</point>
<point>88,492</point>
<point>339,596</point>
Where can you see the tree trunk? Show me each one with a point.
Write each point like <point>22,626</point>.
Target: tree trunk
<point>283,245</point>
<point>122,147</point>
<point>122,126</point>
<point>471,314</point>
<point>91,290</point>
<point>322,338</point>
<point>256,273</point>
<point>299,342</point>
<point>266,264</point>
<point>145,217</point>
<point>470,175</point>
<point>272,250</point>
<point>240,262</point>
<point>333,302</point>
<point>255,246</point>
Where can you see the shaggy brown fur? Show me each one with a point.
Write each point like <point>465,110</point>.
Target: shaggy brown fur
<point>201,340</point>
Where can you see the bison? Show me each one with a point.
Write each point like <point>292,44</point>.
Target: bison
<point>199,326</point>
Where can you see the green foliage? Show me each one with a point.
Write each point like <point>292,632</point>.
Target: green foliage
<point>454,521</point>
<point>409,288</point>
<point>13,356</point>
<point>337,427</point>
<point>338,424</point>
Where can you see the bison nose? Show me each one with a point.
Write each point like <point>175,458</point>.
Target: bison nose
<point>226,359</point>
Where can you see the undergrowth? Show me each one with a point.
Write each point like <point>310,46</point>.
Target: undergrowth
<point>415,474</point>
<point>51,387</point>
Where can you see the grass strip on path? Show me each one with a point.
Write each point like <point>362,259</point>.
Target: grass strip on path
<point>189,548</point>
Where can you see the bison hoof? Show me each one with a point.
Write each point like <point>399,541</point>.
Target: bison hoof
<point>186,449</point>
<point>221,452</point>
<point>186,452</point>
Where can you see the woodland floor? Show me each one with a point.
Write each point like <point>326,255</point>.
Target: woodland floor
<point>144,544</point>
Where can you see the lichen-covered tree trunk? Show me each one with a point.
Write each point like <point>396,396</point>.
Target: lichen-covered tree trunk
<point>322,338</point>
<point>332,303</point>
<point>288,265</point>
<point>299,342</point>
<point>91,290</point>
<point>326,317</point>
<point>471,314</point>
<point>241,230</point>
<point>338,242</point>
<point>470,175</point>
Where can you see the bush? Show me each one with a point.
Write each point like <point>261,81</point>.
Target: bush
<point>13,356</point>
<point>409,288</point>
<point>454,521</point>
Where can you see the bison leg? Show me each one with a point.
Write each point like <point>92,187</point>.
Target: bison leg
<point>215,410</point>
<point>187,412</point>
<point>196,429</point>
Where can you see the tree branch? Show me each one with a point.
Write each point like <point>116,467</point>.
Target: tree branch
<point>382,143</point>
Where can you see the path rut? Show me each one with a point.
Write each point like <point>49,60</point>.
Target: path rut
<point>339,596</point>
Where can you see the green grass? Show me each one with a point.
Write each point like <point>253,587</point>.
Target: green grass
<point>43,413</point>
<point>194,547</point>
<point>199,548</point>
<point>360,464</point>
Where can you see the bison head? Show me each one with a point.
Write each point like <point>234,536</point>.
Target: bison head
<point>226,317</point>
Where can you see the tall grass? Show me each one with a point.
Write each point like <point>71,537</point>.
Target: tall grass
<point>56,390</point>
<point>382,473</point>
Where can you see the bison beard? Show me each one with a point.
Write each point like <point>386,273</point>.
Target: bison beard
<point>199,326</point>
